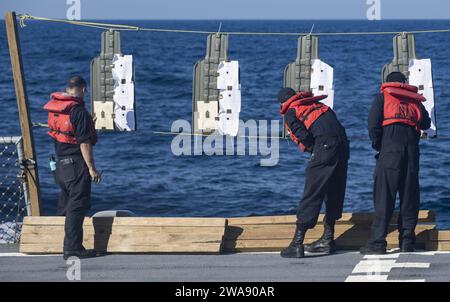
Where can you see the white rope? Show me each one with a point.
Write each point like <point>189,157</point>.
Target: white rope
<point>125,27</point>
<point>205,135</point>
<point>354,138</point>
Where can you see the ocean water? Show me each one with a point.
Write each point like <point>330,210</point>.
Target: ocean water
<point>142,175</point>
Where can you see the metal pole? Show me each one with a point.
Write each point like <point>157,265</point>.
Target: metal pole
<point>26,193</point>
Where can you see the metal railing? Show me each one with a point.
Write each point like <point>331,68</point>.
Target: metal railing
<point>14,197</point>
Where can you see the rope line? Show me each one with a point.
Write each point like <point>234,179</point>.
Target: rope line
<point>125,27</point>
<point>23,17</point>
<point>351,138</point>
<point>206,135</point>
<point>169,133</point>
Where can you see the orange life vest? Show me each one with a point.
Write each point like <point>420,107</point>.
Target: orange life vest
<point>59,109</point>
<point>307,109</point>
<point>402,104</point>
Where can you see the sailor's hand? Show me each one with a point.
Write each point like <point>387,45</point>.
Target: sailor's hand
<point>95,175</point>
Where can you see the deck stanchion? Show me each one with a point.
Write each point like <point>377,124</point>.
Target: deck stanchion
<point>30,163</point>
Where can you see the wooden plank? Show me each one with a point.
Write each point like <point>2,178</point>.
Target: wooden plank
<point>144,235</point>
<point>421,233</point>
<point>438,240</point>
<point>31,173</point>
<point>166,239</point>
<point>442,246</point>
<point>46,220</point>
<point>131,221</point>
<point>279,244</point>
<point>347,218</point>
<point>352,238</point>
<point>193,234</point>
<point>440,235</point>
<point>121,229</point>
<point>424,216</point>
<point>269,232</point>
<point>207,248</point>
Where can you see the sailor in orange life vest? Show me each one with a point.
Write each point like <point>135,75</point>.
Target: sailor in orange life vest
<point>72,128</point>
<point>395,123</point>
<point>316,129</point>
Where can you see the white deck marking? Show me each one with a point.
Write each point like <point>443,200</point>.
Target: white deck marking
<point>429,253</point>
<point>387,256</point>
<point>376,268</point>
<point>384,266</point>
<point>377,278</point>
<point>367,278</point>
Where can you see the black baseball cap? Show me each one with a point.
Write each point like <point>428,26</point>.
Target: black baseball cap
<point>285,94</point>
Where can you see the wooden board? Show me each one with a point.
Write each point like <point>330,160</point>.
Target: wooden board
<point>127,235</point>
<point>442,246</point>
<point>268,232</point>
<point>207,248</point>
<point>209,235</point>
<point>277,245</point>
<point>347,218</point>
<point>440,235</point>
<point>272,233</point>
<point>438,241</point>
<point>128,221</point>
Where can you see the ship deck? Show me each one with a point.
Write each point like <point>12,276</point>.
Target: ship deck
<point>245,267</point>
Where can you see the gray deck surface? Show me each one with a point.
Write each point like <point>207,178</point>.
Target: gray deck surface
<point>344,266</point>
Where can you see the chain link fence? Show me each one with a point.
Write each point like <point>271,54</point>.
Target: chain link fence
<point>14,202</point>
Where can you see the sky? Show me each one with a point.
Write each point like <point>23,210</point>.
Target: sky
<point>231,9</point>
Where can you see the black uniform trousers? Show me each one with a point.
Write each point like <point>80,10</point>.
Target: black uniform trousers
<point>72,175</point>
<point>325,180</point>
<point>397,170</point>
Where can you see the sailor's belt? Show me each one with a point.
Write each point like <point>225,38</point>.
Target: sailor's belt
<point>66,161</point>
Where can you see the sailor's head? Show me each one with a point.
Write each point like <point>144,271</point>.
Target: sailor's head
<point>285,94</point>
<point>76,87</point>
<point>396,77</point>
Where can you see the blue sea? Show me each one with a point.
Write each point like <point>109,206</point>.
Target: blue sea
<point>141,174</point>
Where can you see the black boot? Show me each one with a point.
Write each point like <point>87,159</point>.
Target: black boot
<point>407,247</point>
<point>82,254</point>
<point>370,249</point>
<point>325,245</point>
<point>295,249</point>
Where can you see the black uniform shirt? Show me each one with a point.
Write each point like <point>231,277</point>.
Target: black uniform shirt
<point>394,133</point>
<point>83,130</point>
